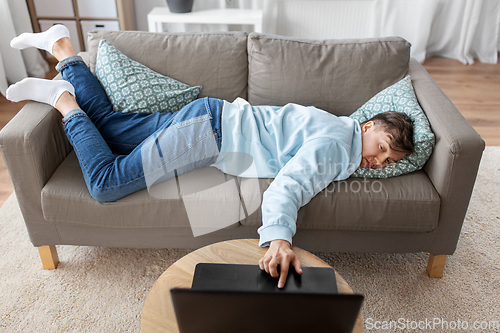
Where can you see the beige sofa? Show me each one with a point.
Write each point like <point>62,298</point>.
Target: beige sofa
<point>419,212</point>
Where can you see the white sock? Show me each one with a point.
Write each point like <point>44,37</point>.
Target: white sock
<point>40,90</point>
<point>42,40</point>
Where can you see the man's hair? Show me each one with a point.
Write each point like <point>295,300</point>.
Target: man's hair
<point>399,127</point>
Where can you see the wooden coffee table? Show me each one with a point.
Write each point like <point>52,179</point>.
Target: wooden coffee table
<point>158,313</point>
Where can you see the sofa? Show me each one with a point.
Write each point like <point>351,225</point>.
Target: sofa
<point>422,211</point>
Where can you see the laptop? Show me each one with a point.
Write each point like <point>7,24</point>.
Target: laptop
<point>242,298</point>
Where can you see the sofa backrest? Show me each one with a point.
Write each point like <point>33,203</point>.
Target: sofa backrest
<point>216,61</point>
<point>338,76</point>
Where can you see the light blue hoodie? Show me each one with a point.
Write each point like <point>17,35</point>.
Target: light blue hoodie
<point>303,148</point>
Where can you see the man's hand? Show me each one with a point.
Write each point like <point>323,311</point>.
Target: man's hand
<point>280,253</point>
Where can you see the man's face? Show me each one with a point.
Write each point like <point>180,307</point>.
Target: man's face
<point>377,152</point>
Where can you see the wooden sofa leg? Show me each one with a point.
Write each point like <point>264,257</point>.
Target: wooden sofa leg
<point>435,266</point>
<point>49,256</point>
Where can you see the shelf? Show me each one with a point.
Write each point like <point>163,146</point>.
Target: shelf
<point>160,15</point>
<point>102,13</point>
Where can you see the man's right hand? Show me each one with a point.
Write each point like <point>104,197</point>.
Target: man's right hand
<point>280,253</point>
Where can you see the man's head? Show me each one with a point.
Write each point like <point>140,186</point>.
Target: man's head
<point>386,138</point>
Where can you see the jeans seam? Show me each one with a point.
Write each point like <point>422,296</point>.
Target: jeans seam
<point>121,144</point>
<point>75,115</point>
<point>218,138</point>
<point>82,163</point>
<point>207,107</point>
<point>69,63</point>
<point>191,121</point>
<point>61,68</point>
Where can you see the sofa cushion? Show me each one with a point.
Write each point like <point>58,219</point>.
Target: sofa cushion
<point>399,97</point>
<point>133,87</point>
<point>337,76</point>
<point>216,61</point>
<point>407,203</point>
<point>66,200</point>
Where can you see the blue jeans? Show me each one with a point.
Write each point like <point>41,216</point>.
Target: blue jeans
<point>152,148</point>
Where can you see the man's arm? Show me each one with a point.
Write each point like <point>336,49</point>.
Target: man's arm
<point>315,165</point>
<point>280,253</point>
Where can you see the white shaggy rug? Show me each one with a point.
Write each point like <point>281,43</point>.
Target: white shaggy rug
<point>104,289</point>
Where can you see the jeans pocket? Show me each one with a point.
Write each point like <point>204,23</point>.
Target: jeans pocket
<point>175,150</point>
<point>195,112</point>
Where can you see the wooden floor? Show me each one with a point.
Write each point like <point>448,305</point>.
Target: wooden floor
<point>474,89</point>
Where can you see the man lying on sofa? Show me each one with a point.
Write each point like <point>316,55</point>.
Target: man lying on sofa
<point>303,148</point>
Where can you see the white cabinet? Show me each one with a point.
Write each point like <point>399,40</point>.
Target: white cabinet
<point>54,8</point>
<point>97,8</point>
<point>82,16</point>
<point>97,25</point>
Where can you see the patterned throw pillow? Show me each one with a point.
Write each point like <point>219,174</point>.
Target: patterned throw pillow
<point>399,97</point>
<point>133,87</point>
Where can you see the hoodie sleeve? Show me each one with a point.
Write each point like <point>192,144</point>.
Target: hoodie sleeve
<point>315,165</point>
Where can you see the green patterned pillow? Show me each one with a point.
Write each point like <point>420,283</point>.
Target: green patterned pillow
<point>133,87</point>
<point>399,97</point>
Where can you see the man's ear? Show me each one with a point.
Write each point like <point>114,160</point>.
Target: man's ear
<point>367,126</point>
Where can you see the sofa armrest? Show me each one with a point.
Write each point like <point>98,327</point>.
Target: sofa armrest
<point>33,144</point>
<point>454,163</point>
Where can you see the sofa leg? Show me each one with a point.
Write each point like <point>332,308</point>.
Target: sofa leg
<point>435,266</point>
<point>49,256</point>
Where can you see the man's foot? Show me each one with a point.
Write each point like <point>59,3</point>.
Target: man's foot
<point>40,90</point>
<point>43,40</point>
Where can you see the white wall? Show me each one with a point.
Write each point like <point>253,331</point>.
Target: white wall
<point>142,8</point>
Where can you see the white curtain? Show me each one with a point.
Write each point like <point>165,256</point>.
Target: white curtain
<point>410,19</point>
<point>466,29</point>
<point>458,29</point>
<point>15,64</point>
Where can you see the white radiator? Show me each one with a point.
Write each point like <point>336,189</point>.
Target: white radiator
<point>319,19</point>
